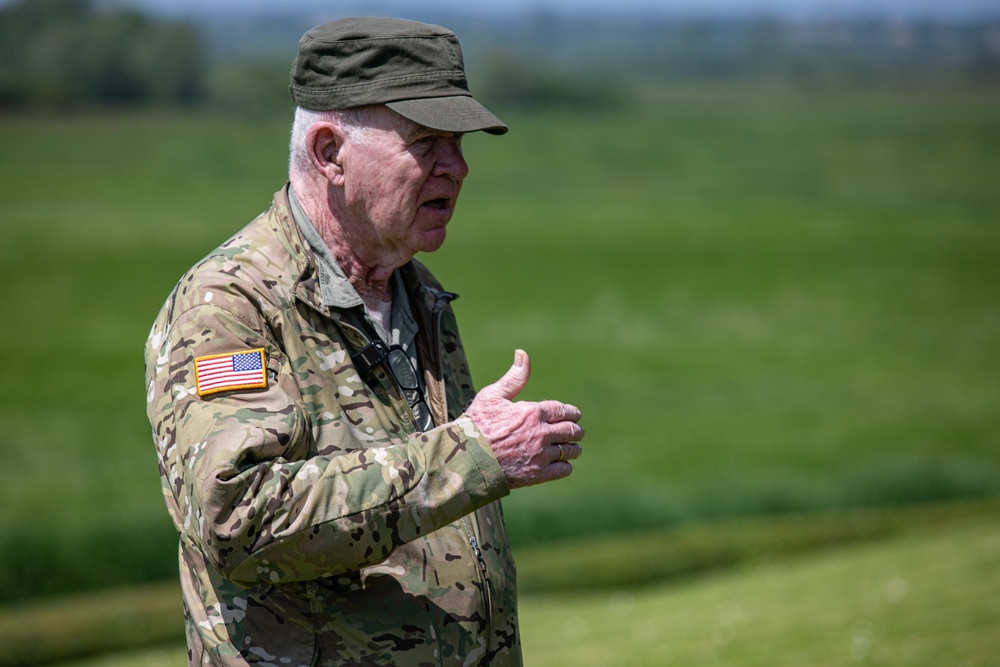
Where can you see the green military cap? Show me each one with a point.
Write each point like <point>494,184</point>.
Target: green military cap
<point>415,69</point>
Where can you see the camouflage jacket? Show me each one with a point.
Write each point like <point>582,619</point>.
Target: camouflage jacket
<point>317,526</point>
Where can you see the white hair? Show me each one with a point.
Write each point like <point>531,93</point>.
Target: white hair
<point>355,123</point>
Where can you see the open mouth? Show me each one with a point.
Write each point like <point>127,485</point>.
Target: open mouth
<point>441,204</point>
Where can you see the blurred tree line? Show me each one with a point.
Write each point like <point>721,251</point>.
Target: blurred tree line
<point>76,53</point>
<point>60,53</point>
<point>863,51</point>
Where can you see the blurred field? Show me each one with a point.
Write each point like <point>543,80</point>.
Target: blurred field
<point>762,303</point>
<point>920,600</point>
<point>926,598</point>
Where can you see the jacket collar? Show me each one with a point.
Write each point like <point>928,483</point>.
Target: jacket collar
<point>304,282</point>
<point>335,290</point>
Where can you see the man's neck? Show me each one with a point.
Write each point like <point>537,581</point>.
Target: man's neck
<point>371,280</point>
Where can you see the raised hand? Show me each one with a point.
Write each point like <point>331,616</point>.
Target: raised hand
<point>534,441</point>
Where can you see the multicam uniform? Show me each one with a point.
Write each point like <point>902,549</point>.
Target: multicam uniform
<point>317,525</point>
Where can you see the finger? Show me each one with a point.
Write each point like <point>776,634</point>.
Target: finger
<point>557,470</point>
<point>515,379</point>
<point>564,432</point>
<point>565,451</point>
<point>556,411</point>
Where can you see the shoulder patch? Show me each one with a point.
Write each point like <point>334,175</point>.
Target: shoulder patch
<point>226,372</point>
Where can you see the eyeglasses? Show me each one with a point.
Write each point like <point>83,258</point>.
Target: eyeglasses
<point>395,360</point>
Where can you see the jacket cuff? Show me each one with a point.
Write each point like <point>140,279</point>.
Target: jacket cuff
<point>495,482</point>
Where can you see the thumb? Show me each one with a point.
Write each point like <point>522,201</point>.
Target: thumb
<point>515,379</point>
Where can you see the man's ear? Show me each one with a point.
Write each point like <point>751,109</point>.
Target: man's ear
<point>326,142</point>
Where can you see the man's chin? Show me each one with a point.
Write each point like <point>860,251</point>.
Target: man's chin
<point>432,239</point>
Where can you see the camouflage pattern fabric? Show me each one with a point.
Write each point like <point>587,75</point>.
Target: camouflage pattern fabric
<point>317,526</point>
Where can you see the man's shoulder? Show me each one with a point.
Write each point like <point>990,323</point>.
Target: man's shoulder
<point>262,261</point>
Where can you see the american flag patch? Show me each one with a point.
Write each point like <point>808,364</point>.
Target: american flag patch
<point>225,372</point>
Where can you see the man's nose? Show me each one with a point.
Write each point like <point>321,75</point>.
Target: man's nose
<point>451,162</point>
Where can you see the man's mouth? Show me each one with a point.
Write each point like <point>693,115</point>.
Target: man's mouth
<point>441,204</point>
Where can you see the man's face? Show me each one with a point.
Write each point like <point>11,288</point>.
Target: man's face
<point>401,184</point>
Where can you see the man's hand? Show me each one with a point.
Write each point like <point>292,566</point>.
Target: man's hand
<point>534,442</point>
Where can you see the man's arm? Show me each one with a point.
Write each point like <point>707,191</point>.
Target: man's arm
<point>254,500</point>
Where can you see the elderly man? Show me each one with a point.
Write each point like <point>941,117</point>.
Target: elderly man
<point>331,472</point>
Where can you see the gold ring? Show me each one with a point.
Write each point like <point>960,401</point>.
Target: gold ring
<point>562,452</point>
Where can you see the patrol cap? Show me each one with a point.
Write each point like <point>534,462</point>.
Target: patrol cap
<point>415,69</point>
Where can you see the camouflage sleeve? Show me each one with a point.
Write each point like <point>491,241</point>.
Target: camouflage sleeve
<point>265,501</point>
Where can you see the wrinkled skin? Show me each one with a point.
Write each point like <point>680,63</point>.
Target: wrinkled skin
<point>527,436</point>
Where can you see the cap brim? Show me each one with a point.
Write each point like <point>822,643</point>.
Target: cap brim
<point>458,113</point>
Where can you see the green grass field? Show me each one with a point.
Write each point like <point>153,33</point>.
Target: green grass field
<point>762,303</point>
<point>919,600</point>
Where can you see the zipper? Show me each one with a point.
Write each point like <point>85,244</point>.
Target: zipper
<point>484,578</point>
<point>469,523</point>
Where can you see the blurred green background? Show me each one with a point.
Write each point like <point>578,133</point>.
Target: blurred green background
<point>766,267</point>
